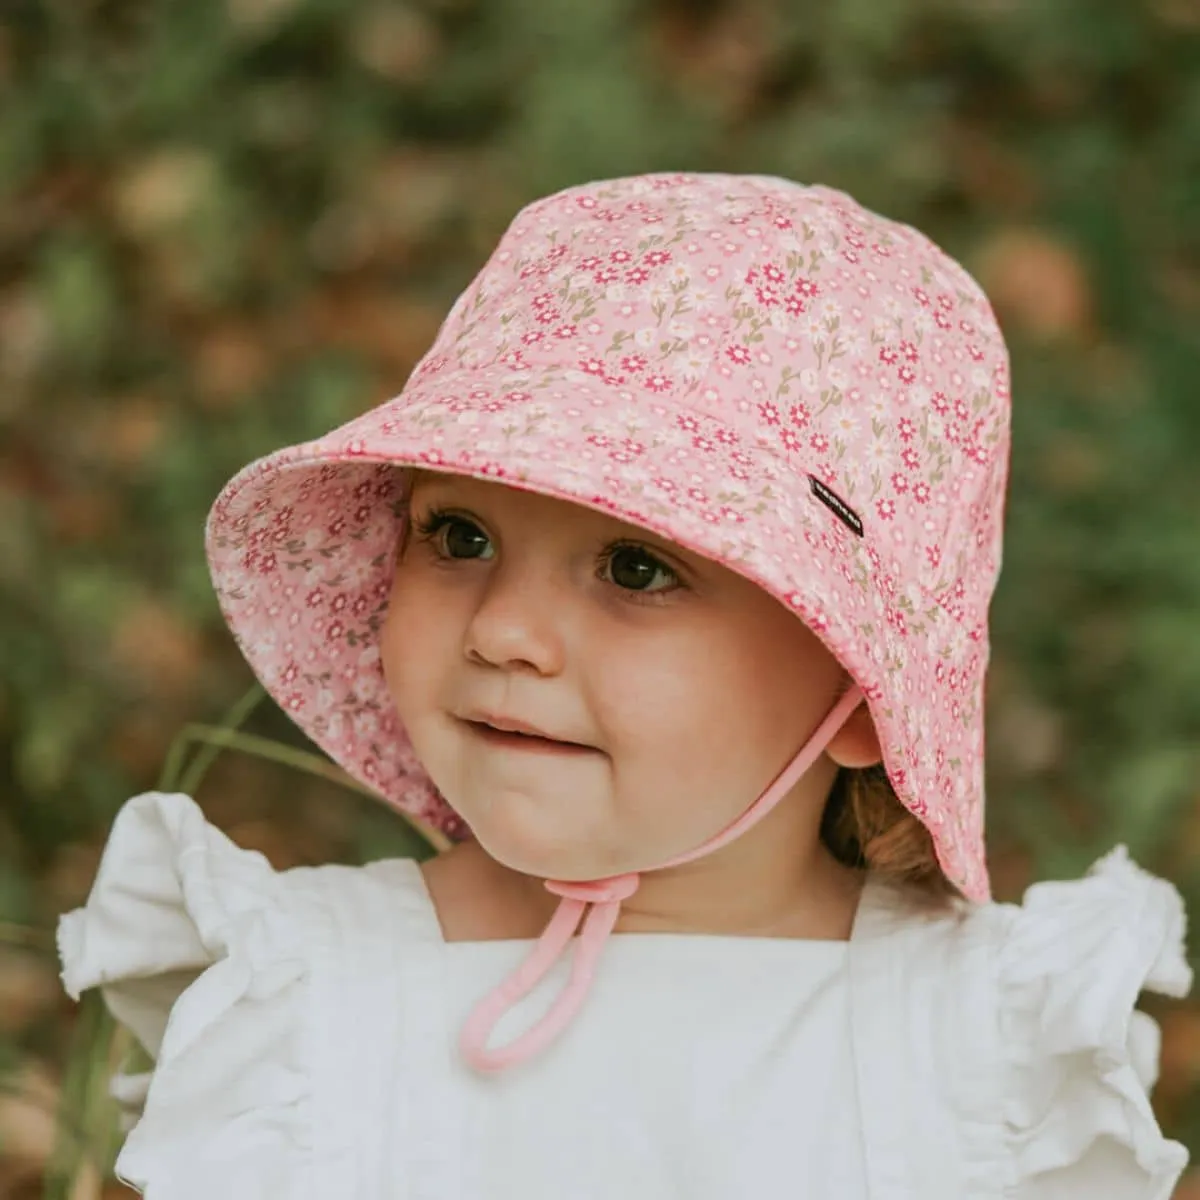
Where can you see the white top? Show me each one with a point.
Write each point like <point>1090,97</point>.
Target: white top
<point>304,1027</point>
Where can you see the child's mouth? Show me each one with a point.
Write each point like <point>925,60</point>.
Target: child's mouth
<point>508,739</point>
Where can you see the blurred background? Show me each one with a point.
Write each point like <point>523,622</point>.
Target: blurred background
<point>226,225</point>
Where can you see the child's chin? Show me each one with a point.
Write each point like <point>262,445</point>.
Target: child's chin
<point>541,852</point>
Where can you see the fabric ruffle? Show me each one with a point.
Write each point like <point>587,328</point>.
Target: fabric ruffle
<point>1082,1060</point>
<point>189,939</point>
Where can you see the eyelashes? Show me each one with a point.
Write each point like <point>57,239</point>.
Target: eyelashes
<point>633,568</point>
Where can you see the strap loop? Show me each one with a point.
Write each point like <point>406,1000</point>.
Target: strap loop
<point>596,891</point>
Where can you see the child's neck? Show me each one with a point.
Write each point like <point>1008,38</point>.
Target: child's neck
<point>815,898</point>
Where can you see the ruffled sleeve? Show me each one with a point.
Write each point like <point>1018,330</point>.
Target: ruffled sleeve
<point>1080,1061</point>
<point>193,946</point>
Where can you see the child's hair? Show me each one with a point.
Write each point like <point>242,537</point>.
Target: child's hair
<point>865,825</point>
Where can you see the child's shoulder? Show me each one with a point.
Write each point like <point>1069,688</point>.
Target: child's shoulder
<point>174,895</point>
<point>1021,1021</point>
<point>252,990</point>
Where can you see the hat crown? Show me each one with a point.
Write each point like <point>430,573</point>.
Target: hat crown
<point>759,318</point>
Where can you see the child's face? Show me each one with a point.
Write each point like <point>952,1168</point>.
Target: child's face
<point>681,687</point>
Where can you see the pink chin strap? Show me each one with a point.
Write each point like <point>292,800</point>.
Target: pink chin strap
<point>603,897</point>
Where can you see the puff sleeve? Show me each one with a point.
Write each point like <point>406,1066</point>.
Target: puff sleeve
<point>196,952</point>
<point>1079,1059</point>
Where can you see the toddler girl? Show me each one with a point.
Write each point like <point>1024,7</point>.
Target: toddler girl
<point>662,590</point>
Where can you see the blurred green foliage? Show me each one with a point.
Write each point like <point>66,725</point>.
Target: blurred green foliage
<point>225,226</point>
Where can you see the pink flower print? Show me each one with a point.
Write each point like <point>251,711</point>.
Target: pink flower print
<point>942,321</point>
<point>819,442</point>
<point>909,351</point>
<point>726,437</point>
<point>895,619</point>
<point>598,439</point>
<point>698,494</point>
<point>795,306</point>
<point>586,201</point>
<point>808,288</point>
<point>315,598</point>
<point>790,440</point>
<point>908,456</point>
<point>433,456</point>
<point>800,415</point>
<point>900,483</point>
<point>961,411</point>
<point>827,473</point>
<point>885,508</point>
<point>732,515</point>
<point>335,631</point>
<point>738,354</point>
<point>493,470</point>
<point>687,423</point>
<point>531,337</point>
<point>666,485</point>
<point>933,556</point>
<point>710,517</point>
<point>906,429</point>
<point>268,563</point>
<point>592,366</point>
<point>657,258</point>
<point>888,355</point>
<point>565,331</point>
<point>769,412</point>
<point>703,444</point>
<point>517,397</point>
<point>637,275</point>
<point>766,296</point>
<point>772,273</point>
<point>940,404</point>
<point>606,275</point>
<point>620,256</point>
<point>921,492</point>
<point>906,374</point>
<point>976,354</point>
<point>658,382</point>
<point>921,296</point>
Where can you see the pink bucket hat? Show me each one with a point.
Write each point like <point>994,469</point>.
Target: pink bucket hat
<point>766,373</point>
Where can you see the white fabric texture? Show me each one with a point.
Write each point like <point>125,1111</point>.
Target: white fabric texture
<point>303,1025</point>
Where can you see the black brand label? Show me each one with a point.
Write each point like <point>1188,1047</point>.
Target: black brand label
<point>836,504</point>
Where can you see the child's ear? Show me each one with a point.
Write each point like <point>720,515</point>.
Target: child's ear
<point>856,744</point>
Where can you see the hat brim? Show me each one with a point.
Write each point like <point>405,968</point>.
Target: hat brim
<point>302,546</point>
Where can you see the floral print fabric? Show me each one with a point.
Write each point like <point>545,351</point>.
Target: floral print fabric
<point>766,373</point>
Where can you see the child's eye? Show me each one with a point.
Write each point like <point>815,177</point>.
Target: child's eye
<point>636,570</point>
<point>453,536</point>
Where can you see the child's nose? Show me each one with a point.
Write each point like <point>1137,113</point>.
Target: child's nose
<point>518,624</point>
